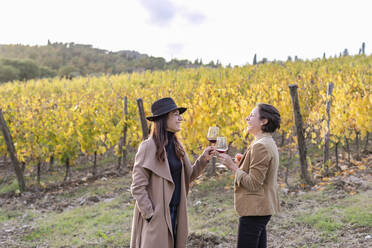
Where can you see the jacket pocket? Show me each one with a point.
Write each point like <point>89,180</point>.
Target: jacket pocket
<point>260,193</point>
<point>154,216</point>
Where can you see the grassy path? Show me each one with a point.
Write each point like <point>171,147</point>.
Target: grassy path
<point>99,214</point>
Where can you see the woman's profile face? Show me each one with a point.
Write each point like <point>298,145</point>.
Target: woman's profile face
<point>253,122</point>
<point>174,121</point>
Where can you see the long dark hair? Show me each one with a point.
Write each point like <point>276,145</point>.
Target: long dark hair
<point>159,134</point>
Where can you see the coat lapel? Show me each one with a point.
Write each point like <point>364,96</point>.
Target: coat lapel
<point>244,156</point>
<point>159,168</point>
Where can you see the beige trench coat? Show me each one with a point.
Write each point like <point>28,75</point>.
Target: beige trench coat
<point>152,188</point>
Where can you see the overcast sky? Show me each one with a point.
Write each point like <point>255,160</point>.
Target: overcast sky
<point>230,31</point>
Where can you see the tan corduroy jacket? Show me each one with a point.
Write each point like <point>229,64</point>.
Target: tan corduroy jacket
<point>256,187</point>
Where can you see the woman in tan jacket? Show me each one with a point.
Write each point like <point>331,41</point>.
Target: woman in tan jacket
<point>256,196</point>
<point>162,173</point>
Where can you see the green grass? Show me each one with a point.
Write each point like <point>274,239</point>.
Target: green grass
<point>214,214</point>
<point>212,184</point>
<point>323,219</point>
<point>9,187</point>
<point>6,215</point>
<point>10,216</point>
<point>210,207</point>
<point>310,246</point>
<point>103,223</point>
<point>359,211</point>
<point>317,196</point>
<point>354,210</point>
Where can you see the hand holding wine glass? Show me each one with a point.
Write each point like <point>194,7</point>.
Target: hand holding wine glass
<point>209,152</point>
<point>223,157</point>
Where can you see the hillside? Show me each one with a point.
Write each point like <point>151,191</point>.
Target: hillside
<point>23,62</point>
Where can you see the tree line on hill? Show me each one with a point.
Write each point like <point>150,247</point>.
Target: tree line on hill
<point>23,62</point>
<point>362,50</point>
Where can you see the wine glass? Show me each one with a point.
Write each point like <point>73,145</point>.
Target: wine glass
<point>221,147</point>
<point>212,134</point>
<point>221,144</point>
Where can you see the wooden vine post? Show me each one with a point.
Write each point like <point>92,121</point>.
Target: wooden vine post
<point>12,152</point>
<point>300,134</point>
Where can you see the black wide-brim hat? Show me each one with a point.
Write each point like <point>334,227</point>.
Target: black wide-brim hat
<point>162,107</point>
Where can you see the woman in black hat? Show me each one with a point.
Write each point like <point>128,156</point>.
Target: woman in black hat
<point>162,174</point>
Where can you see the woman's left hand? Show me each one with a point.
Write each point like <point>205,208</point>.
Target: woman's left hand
<point>227,161</point>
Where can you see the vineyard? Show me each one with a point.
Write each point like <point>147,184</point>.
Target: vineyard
<point>61,120</point>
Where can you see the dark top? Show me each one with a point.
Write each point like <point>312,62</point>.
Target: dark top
<point>175,166</point>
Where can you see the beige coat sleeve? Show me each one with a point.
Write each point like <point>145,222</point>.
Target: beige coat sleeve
<point>140,181</point>
<point>198,167</point>
<point>259,164</point>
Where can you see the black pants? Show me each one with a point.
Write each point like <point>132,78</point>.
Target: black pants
<point>252,231</point>
<point>173,213</point>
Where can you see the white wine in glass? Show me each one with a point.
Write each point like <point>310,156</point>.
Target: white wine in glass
<point>221,144</point>
<point>212,134</point>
